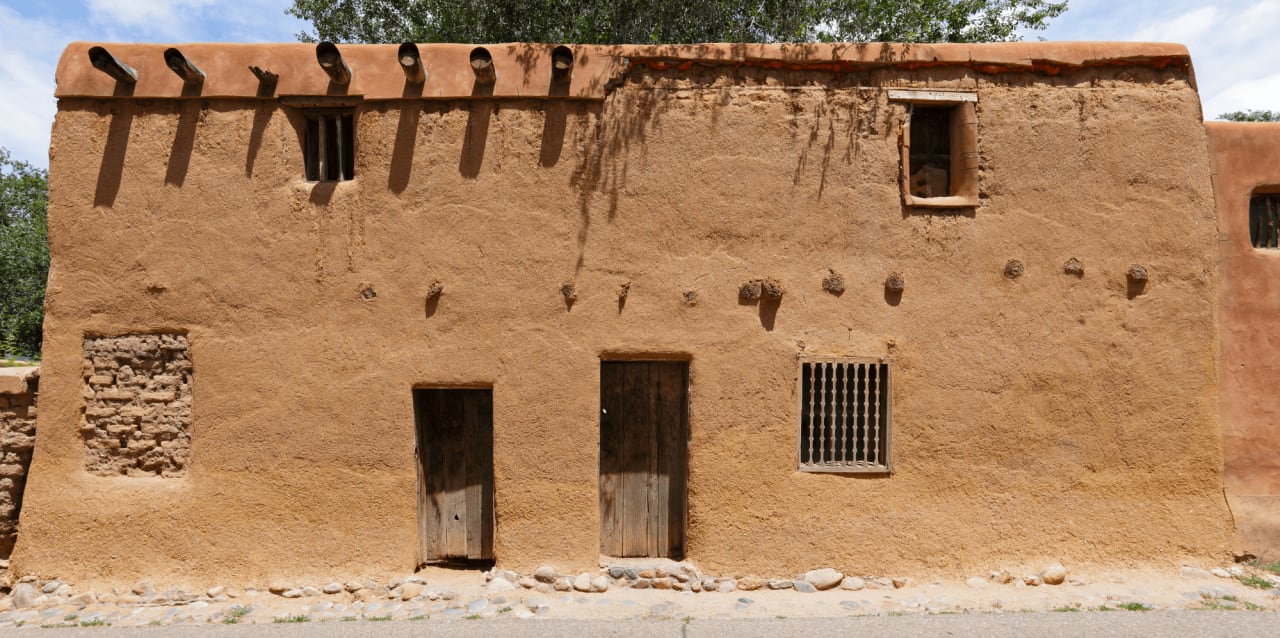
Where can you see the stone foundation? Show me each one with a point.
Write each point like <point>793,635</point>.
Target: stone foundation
<point>17,438</point>
<point>137,412</point>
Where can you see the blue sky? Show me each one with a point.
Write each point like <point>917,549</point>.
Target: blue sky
<point>1233,44</point>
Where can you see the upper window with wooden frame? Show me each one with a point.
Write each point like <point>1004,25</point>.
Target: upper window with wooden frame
<point>328,145</point>
<point>1264,219</point>
<point>939,145</point>
<point>845,415</point>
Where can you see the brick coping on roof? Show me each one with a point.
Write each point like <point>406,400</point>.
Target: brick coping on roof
<point>524,70</point>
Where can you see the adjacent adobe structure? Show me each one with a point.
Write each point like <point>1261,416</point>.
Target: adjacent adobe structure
<point>1246,175</point>
<point>321,311</point>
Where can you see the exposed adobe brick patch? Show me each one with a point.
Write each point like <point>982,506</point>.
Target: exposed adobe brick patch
<point>137,413</point>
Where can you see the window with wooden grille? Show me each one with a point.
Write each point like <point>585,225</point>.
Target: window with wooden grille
<point>1264,220</point>
<point>845,415</point>
<point>328,146</point>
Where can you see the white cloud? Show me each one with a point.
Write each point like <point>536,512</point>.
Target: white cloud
<point>31,48</point>
<point>1260,93</point>
<point>1188,26</point>
<point>174,20</point>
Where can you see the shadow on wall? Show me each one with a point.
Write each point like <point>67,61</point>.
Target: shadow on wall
<point>189,115</point>
<point>477,134</point>
<point>406,138</point>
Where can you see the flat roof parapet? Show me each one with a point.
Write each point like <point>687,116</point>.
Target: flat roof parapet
<point>526,70</point>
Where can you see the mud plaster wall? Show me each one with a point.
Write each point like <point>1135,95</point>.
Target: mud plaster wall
<point>17,438</point>
<point>1246,157</point>
<point>1048,416</point>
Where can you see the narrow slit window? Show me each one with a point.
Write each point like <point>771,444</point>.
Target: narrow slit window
<point>844,416</point>
<point>1264,221</point>
<point>329,147</point>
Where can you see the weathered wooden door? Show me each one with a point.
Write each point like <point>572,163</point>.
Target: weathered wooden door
<point>644,455</point>
<point>455,474</point>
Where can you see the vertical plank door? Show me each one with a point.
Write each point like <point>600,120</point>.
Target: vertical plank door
<point>644,451</point>
<point>455,487</point>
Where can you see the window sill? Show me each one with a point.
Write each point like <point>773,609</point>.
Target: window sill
<point>875,470</point>
<point>954,201</point>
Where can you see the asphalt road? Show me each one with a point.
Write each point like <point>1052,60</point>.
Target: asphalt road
<point>1019,625</point>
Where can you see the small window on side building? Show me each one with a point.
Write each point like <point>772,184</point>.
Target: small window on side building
<point>845,416</point>
<point>1264,220</point>
<point>329,146</point>
<point>939,148</point>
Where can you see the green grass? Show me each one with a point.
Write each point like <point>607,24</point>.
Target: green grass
<point>292,619</point>
<point>1217,606</point>
<point>348,619</point>
<point>1274,568</point>
<point>504,610</point>
<point>379,618</point>
<point>1067,608</point>
<point>93,623</point>
<point>70,617</point>
<point>1134,607</point>
<point>418,617</point>
<point>473,617</point>
<point>1255,581</point>
<point>1252,607</point>
<point>234,615</point>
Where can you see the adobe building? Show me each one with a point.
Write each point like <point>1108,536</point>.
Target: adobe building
<point>318,312</point>
<point>1246,176</point>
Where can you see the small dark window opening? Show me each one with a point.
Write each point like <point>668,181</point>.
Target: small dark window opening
<point>1264,221</point>
<point>930,151</point>
<point>329,147</point>
<point>844,416</point>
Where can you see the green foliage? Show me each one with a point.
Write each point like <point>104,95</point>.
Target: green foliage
<point>1255,581</point>
<point>633,21</point>
<point>1134,607</point>
<point>24,255</point>
<point>292,619</point>
<point>234,615</point>
<point>1251,116</point>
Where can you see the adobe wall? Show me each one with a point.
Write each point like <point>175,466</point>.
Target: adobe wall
<point>19,390</point>
<point>1049,416</point>
<point>1246,157</point>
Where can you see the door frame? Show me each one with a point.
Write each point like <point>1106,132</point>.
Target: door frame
<point>488,496</point>
<point>678,482</point>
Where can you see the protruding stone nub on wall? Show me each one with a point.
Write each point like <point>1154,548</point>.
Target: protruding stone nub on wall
<point>137,412</point>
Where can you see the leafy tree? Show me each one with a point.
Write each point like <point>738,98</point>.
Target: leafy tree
<point>1251,116</point>
<point>24,255</point>
<point>633,21</point>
